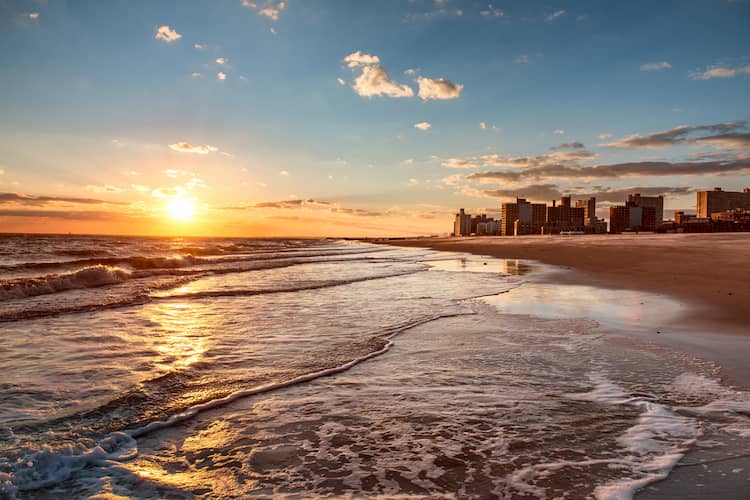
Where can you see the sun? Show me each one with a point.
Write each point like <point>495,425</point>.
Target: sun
<point>181,209</point>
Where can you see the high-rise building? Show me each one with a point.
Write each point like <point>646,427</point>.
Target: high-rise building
<point>462,224</point>
<point>564,217</point>
<point>718,200</point>
<point>529,218</point>
<point>657,202</point>
<point>589,210</point>
<point>631,217</point>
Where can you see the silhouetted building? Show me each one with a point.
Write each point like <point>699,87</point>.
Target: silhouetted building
<point>657,202</point>
<point>462,224</point>
<point>631,218</point>
<point>564,217</point>
<point>589,210</point>
<point>521,217</point>
<point>717,200</point>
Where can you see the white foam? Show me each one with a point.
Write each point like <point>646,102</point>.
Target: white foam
<point>653,446</point>
<point>88,277</point>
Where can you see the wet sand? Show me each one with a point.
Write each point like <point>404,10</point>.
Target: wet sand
<point>710,272</point>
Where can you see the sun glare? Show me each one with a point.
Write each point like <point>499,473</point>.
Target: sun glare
<point>181,209</point>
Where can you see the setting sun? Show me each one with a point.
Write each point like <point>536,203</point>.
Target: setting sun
<point>181,209</point>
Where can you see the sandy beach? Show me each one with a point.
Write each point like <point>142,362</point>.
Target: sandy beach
<point>708,271</point>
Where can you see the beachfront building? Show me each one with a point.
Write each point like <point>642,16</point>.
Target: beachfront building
<point>564,217</point>
<point>631,217</point>
<point>655,202</point>
<point>521,217</point>
<point>462,224</point>
<point>718,200</point>
<point>589,210</point>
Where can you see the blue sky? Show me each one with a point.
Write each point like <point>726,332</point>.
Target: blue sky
<point>95,104</point>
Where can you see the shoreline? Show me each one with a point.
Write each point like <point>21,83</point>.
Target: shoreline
<point>707,274</point>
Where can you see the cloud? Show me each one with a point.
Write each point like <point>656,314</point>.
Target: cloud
<point>27,199</point>
<point>221,60</point>
<point>68,215</point>
<point>605,135</point>
<point>462,163</point>
<point>423,126</point>
<point>140,188</point>
<point>438,88</point>
<point>655,66</point>
<point>617,170</point>
<point>482,125</point>
<point>719,72</point>
<point>555,16</point>
<point>341,81</point>
<point>545,192</point>
<point>522,59</point>
<point>375,81</point>
<point>568,145</point>
<point>270,8</point>
<point>221,76</point>
<point>284,173</point>
<point>195,74</point>
<point>199,46</point>
<point>167,34</point>
<point>107,188</point>
<point>559,131</point>
<point>184,147</point>
<point>411,72</point>
<point>679,135</point>
<point>33,15</point>
<point>359,58</point>
<point>491,11</point>
<point>408,162</point>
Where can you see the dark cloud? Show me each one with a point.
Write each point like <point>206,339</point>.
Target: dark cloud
<point>548,192</point>
<point>630,169</point>
<point>679,135</point>
<point>29,200</point>
<point>568,145</point>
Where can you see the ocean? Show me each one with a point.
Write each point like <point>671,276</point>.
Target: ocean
<point>224,368</point>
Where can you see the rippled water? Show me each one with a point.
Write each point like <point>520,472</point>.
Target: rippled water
<point>192,368</point>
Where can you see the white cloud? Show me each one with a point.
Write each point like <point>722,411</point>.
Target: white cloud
<point>199,46</point>
<point>482,125</point>
<point>221,60</point>
<point>270,8</point>
<point>375,81</point>
<point>140,188</point>
<point>221,76</point>
<point>555,15</point>
<point>413,181</point>
<point>359,58</point>
<point>34,15</point>
<point>655,66</point>
<point>719,72</point>
<point>408,162</point>
<point>559,131</point>
<point>491,11</point>
<point>423,126</point>
<point>284,173</point>
<point>341,81</point>
<point>195,74</point>
<point>411,72</point>
<point>522,59</point>
<point>167,34</point>
<point>605,135</point>
<point>184,147</point>
<point>438,88</point>
<point>244,78</point>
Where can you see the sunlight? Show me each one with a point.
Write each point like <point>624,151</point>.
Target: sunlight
<point>181,209</point>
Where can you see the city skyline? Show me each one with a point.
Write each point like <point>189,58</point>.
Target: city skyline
<point>275,118</point>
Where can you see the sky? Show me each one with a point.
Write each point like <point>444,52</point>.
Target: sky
<point>368,118</point>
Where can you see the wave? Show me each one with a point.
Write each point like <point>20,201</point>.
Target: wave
<point>89,277</point>
<point>46,467</point>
